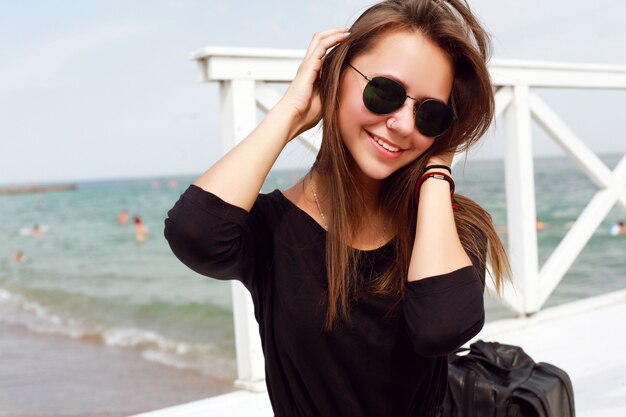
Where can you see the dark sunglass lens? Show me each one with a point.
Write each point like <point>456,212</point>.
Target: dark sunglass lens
<point>383,96</point>
<point>433,117</point>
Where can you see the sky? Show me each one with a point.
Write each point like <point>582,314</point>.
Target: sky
<point>105,89</point>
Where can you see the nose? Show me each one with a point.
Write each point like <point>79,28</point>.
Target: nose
<point>402,120</point>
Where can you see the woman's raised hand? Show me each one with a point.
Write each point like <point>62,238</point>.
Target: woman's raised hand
<point>238,176</point>
<point>301,96</point>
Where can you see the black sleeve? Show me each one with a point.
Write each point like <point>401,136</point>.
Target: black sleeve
<point>445,311</point>
<point>212,237</point>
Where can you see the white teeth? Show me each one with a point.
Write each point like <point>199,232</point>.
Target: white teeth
<point>386,145</point>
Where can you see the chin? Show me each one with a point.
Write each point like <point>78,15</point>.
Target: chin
<point>376,171</point>
<point>379,174</point>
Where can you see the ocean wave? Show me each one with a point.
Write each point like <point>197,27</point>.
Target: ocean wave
<point>16,309</point>
<point>217,366</point>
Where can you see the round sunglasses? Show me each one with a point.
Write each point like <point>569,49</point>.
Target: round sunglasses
<point>383,95</point>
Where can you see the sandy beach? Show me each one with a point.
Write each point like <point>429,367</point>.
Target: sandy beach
<point>48,375</point>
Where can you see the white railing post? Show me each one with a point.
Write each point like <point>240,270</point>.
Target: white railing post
<point>238,117</point>
<point>520,197</point>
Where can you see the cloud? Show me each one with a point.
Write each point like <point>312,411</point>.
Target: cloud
<point>43,67</point>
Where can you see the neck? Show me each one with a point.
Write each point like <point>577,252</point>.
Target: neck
<point>371,230</point>
<point>370,193</point>
<point>368,188</point>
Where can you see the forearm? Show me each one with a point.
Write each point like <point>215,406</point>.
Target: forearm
<point>238,176</point>
<point>437,249</point>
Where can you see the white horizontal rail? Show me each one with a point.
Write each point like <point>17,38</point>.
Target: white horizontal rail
<point>222,64</point>
<point>557,75</point>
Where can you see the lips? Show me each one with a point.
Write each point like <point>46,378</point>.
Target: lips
<point>384,147</point>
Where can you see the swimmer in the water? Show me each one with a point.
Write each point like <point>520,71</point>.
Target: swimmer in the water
<point>141,231</point>
<point>37,230</point>
<point>618,228</point>
<point>122,217</point>
<point>18,257</point>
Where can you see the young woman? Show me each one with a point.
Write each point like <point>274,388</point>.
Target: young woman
<point>368,271</point>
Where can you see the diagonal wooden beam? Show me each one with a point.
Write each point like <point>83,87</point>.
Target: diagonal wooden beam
<point>267,97</point>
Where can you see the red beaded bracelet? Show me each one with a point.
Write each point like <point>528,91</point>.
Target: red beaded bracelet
<point>438,175</point>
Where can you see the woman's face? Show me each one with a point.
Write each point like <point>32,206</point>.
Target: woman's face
<point>381,144</point>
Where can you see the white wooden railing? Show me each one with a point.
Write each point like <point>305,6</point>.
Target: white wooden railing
<point>244,74</point>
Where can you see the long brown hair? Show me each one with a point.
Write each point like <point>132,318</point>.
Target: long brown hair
<point>450,25</point>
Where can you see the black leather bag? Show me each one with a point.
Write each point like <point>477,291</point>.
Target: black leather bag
<point>498,380</point>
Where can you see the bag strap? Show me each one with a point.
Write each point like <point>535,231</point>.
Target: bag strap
<point>503,356</point>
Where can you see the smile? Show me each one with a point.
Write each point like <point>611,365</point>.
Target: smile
<point>385,147</point>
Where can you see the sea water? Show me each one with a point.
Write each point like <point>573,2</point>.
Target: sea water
<point>86,277</point>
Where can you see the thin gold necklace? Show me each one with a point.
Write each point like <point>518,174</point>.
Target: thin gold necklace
<point>325,224</point>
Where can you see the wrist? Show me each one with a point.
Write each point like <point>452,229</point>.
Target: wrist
<point>287,116</point>
<point>433,175</point>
